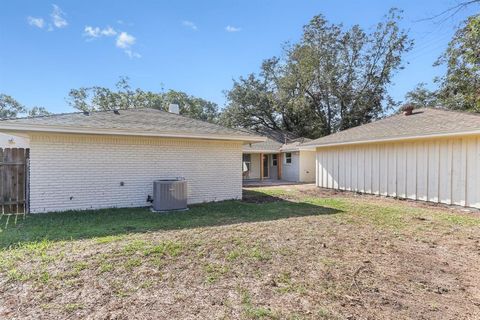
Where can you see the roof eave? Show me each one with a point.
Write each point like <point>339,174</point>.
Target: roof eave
<point>305,148</point>
<point>120,132</point>
<point>261,151</point>
<point>430,136</point>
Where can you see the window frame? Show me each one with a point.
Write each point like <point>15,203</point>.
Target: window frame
<point>274,160</point>
<point>288,159</point>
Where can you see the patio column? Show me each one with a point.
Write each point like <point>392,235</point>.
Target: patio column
<point>261,166</point>
<point>279,166</point>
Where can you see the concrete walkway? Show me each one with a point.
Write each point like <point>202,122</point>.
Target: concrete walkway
<point>267,183</point>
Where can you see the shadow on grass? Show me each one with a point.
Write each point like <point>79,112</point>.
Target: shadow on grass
<point>108,222</point>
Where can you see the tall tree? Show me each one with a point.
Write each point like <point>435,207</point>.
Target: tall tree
<point>124,97</point>
<point>38,111</point>
<point>460,86</point>
<point>11,108</point>
<point>422,97</point>
<point>333,79</point>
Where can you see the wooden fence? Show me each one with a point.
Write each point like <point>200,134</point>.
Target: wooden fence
<point>14,181</point>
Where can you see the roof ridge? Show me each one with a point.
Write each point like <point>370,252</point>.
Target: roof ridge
<point>464,112</point>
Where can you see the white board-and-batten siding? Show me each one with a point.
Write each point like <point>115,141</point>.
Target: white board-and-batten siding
<point>443,170</point>
<point>70,172</point>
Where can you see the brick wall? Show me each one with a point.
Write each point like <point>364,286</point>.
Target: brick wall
<point>85,172</point>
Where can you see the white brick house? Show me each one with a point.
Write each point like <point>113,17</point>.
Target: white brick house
<point>104,159</point>
<point>276,160</point>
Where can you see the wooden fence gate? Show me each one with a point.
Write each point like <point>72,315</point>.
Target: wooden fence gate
<point>13,182</point>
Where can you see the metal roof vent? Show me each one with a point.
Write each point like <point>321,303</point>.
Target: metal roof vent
<point>174,108</point>
<point>116,111</point>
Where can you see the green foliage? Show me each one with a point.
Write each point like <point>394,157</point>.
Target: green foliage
<point>124,97</point>
<point>421,97</point>
<point>11,108</point>
<point>332,79</point>
<point>38,111</point>
<point>460,86</point>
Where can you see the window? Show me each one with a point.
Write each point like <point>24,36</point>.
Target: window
<point>288,157</point>
<point>246,164</point>
<point>274,160</point>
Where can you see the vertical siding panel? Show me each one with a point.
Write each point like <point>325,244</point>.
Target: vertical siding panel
<point>401,170</point>
<point>383,164</point>
<point>330,167</point>
<point>317,168</point>
<point>433,165</point>
<point>361,169</point>
<point>375,170</point>
<point>335,168</point>
<point>354,168</point>
<point>458,172</point>
<point>445,171</point>
<point>471,183</point>
<point>473,196</point>
<point>368,169</point>
<point>391,171</point>
<point>412,170</point>
<point>422,171</point>
<point>325,168</point>
<point>341,168</point>
<point>348,168</point>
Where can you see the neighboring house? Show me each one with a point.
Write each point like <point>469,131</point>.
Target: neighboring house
<point>275,160</point>
<point>110,159</point>
<point>13,141</point>
<point>430,155</point>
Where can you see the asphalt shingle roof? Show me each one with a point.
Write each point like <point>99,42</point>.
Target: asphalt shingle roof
<point>423,122</point>
<point>273,145</point>
<point>144,120</point>
<point>269,145</point>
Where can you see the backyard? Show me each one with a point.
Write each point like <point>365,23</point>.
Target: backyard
<point>290,252</point>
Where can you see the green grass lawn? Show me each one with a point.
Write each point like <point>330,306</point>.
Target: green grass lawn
<point>281,253</point>
<point>116,222</point>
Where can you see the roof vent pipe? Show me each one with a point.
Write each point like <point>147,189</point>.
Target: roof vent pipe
<point>408,110</point>
<point>173,108</point>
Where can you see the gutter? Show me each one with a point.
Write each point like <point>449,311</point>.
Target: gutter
<point>121,132</point>
<point>430,136</point>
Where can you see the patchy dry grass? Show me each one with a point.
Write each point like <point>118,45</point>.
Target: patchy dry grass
<point>283,253</point>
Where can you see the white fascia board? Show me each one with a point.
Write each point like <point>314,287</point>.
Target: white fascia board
<point>429,136</point>
<point>99,131</point>
<point>262,151</point>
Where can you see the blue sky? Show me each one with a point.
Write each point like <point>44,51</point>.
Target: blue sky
<point>47,48</point>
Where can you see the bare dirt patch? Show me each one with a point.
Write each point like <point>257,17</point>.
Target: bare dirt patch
<point>372,258</point>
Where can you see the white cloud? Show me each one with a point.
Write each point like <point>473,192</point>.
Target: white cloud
<point>125,40</point>
<point>95,32</point>
<point>232,29</point>
<point>189,24</point>
<point>58,17</point>
<point>92,32</point>
<point>36,22</point>
<point>108,32</point>
<point>132,54</point>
